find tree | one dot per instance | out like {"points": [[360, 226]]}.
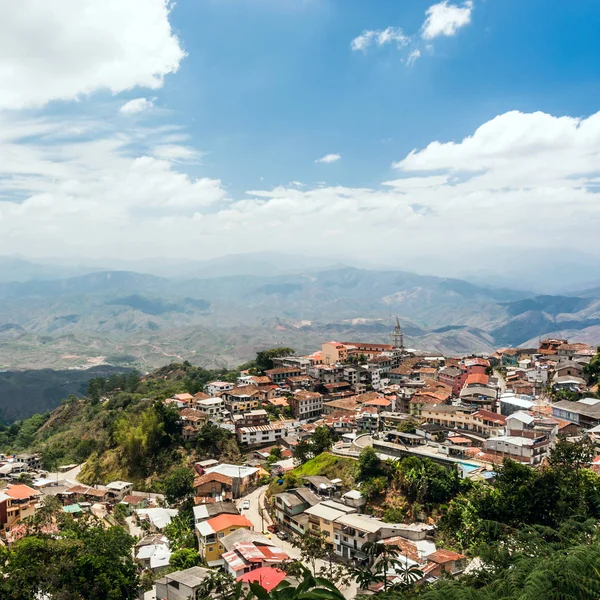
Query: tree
{"points": [[184, 558], [84, 562], [321, 440], [303, 451], [592, 369], [312, 546], [264, 358], [179, 486], [180, 532], [369, 464]]}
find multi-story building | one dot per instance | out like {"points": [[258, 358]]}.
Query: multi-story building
{"points": [[584, 412], [461, 417], [213, 407], [117, 490], [216, 388], [252, 418], [454, 377], [334, 353], [210, 532], [280, 374], [321, 517], [306, 405], [478, 391], [17, 502], [263, 434], [352, 531], [241, 399], [290, 506], [225, 481]]}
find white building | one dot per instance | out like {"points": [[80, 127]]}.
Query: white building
{"points": [[213, 407], [117, 490], [214, 388], [262, 434]]}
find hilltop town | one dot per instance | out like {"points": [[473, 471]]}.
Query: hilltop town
{"points": [[349, 461]]}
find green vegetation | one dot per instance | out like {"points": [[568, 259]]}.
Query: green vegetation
{"points": [[320, 441], [324, 464], [83, 560], [547, 497]]}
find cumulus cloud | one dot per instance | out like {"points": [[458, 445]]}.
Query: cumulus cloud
{"points": [[63, 50], [329, 158], [379, 37], [135, 106], [446, 19], [520, 182]]}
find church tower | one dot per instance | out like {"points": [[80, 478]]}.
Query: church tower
{"points": [[398, 337]]}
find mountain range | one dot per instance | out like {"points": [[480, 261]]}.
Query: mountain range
{"points": [[144, 320]]}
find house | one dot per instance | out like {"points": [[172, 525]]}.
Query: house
{"points": [[17, 502], [551, 346], [344, 406], [290, 506], [367, 419], [567, 368], [252, 418], [203, 512], [245, 556], [445, 562], [89, 494], [320, 485], [117, 490], [263, 434], [521, 449], [334, 353], [226, 481], [280, 374], [584, 412], [134, 503], [321, 517], [299, 382], [452, 376], [478, 391], [213, 407], [306, 405], [354, 498], [352, 531], [153, 552], [210, 533], [181, 585], [216, 388], [33, 461], [241, 400], [157, 518]]}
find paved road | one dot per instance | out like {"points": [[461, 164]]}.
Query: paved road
{"points": [[67, 476], [261, 519]]}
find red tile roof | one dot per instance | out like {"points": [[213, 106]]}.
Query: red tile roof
{"points": [[226, 520], [267, 577], [21, 491], [444, 556], [488, 415], [477, 378]]}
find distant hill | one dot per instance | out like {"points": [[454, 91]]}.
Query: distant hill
{"points": [[101, 317], [24, 393]]}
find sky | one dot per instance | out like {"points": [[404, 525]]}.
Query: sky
{"points": [[454, 138]]}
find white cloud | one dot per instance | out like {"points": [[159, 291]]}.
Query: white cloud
{"points": [[380, 38], [63, 50], [446, 19], [413, 57], [328, 158], [135, 106]]}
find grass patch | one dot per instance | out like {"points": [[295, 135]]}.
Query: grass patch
{"points": [[325, 464]]}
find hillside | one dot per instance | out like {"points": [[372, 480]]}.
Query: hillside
{"points": [[126, 435]]}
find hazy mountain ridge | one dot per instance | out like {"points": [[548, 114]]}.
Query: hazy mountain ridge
{"points": [[224, 320]]}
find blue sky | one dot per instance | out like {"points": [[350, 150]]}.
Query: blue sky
{"points": [[139, 128]]}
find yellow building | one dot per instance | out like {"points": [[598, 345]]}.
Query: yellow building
{"points": [[210, 532], [321, 517], [333, 353]]}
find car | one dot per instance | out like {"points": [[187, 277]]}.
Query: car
{"points": [[267, 534], [246, 505]]}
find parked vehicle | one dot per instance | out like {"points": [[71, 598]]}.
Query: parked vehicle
{"points": [[246, 505]]}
